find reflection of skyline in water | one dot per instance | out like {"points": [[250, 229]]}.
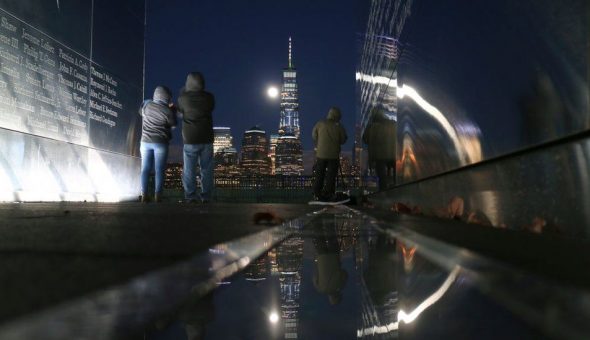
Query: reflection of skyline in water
{"points": [[289, 263], [360, 282]]}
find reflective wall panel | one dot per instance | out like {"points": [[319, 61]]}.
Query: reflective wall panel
{"points": [[70, 71], [469, 81], [491, 101], [542, 191]]}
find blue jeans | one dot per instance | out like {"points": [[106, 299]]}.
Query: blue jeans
{"points": [[149, 152], [202, 153]]}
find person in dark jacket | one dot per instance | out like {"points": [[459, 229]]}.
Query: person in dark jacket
{"points": [[196, 106], [328, 135], [381, 136], [159, 117]]}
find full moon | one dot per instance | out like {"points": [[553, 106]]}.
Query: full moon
{"points": [[273, 317], [272, 92]]}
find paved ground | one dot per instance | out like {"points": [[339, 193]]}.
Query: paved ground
{"points": [[55, 251]]}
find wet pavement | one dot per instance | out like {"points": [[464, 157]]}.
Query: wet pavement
{"points": [[334, 273]]}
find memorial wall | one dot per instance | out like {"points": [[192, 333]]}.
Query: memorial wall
{"points": [[492, 104], [71, 80]]}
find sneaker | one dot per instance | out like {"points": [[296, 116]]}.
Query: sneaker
{"points": [[205, 201], [143, 198], [158, 198], [188, 201]]}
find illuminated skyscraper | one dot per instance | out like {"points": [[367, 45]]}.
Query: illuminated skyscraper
{"points": [[255, 160], [222, 138], [288, 152], [272, 151], [289, 122], [289, 156], [226, 162]]}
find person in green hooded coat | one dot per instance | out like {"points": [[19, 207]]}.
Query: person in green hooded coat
{"points": [[328, 135]]}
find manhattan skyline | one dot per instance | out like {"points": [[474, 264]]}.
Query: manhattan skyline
{"points": [[254, 52]]}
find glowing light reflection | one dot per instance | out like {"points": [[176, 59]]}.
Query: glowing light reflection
{"points": [[6, 188], [468, 153], [106, 186], [410, 317]]}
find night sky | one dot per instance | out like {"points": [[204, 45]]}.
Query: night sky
{"points": [[241, 48]]}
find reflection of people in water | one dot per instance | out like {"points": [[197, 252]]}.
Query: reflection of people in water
{"points": [[329, 277], [196, 316], [380, 273], [193, 316]]}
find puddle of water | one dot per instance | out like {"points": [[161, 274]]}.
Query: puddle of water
{"points": [[340, 278]]}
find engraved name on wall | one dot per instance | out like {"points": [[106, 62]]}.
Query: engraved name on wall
{"points": [[50, 90]]}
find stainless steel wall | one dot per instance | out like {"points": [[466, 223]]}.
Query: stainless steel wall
{"points": [[71, 80], [499, 82]]}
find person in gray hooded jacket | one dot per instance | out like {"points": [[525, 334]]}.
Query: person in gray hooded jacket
{"points": [[159, 117], [196, 106]]}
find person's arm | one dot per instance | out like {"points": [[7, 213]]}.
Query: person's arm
{"points": [[143, 105], [314, 135]]}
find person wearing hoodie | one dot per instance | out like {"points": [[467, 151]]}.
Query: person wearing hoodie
{"points": [[328, 135], [159, 117], [196, 106], [329, 277], [380, 136]]}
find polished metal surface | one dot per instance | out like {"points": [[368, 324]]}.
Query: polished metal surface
{"points": [[472, 81], [541, 191]]}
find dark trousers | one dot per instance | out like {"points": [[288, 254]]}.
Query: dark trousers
{"points": [[325, 177], [385, 170]]}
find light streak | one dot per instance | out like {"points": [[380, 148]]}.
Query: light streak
{"points": [[463, 146], [410, 317]]}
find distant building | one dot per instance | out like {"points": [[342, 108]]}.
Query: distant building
{"points": [[345, 165], [289, 156], [222, 138], [254, 155], [173, 176], [289, 153], [224, 153], [274, 139], [226, 162], [289, 119], [357, 151]]}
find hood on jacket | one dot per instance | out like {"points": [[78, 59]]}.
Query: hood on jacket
{"points": [[194, 82], [162, 94], [334, 114]]}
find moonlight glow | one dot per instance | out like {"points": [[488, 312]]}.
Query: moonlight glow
{"points": [[272, 92], [273, 317]]}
